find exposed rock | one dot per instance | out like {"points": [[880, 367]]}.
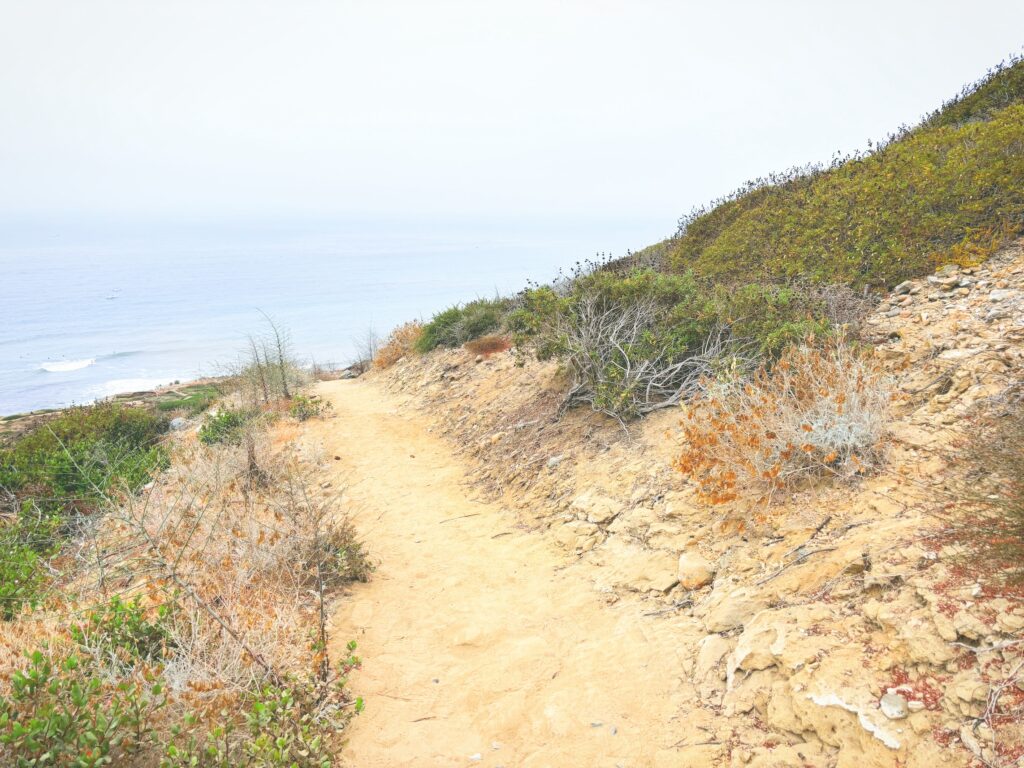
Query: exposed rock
{"points": [[727, 611], [694, 571], [177, 424], [894, 706], [632, 567], [903, 288], [967, 693], [578, 535], [710, 652], [596, 508], [864, 718], [1002, 294]]}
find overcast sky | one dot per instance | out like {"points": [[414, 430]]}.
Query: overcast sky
{"points": [[296, 108]]}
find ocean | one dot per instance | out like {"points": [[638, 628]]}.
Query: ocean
{"points": [[86, 313]]}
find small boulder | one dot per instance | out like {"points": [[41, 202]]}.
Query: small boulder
{"points": [[1001, 294], [694, 571], [596, 508], [178, 424], [894, 706], [903, 288]]}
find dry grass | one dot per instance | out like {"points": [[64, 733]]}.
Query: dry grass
{"points": [[820, 411], [401, 343], [250, 546], [985, 507], [489, 345], [246, 561]]}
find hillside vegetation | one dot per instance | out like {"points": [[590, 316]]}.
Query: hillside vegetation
{"points": [[782, 260], [947, 191], [164, 582]]}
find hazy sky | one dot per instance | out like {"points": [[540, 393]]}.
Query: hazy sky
{"points": [[281, 108]]}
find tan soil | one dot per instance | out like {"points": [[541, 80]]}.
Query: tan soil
{"points": [[476, 637]]}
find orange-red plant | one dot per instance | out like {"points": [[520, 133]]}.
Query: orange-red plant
{"points": [[488, 345], [399, 344], [819, 411]]}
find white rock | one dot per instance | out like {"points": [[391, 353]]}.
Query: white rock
{"points": [[894, 706], [1001, 294]]}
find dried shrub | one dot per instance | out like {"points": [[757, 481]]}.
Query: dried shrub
{"points": [[819, 411], [252, 562], [620, 366], [489, 345], [985, 511], [401, 343]]}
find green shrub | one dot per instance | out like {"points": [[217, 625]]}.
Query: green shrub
{"points": [[197, 400], [122, 627], [62, 468], [946, 192], [71, 461], [22, 576], [304, 407], [61, 715], [456, 325], [283, 728], [225, 427], [634, 342], [1001, 87]]}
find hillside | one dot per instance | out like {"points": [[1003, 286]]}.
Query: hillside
{"points": [[842, 625], [946, 191]]}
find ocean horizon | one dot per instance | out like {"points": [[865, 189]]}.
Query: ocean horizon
{"points": [[94, 312]]}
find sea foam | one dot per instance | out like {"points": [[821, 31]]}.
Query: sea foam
{"points": [[60, 366]]}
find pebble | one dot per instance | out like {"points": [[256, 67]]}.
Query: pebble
{"points": [[894, 706], [1001, 294]]}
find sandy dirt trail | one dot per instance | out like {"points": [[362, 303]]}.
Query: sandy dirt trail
{"points": [[482, 645]]}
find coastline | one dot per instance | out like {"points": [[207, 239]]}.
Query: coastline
{"points": [[163, 397]]}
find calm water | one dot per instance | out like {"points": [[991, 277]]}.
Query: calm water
{"points": [[87, 316]]}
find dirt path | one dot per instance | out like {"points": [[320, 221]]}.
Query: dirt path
{"points": [[480, 647]]}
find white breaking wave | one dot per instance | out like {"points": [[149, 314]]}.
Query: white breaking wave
{"points": [[66, 365]]}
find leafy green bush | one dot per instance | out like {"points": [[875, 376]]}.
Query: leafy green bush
{"points": [[283, 728], [61, 715], [456, 325], [71, 461], [122, 627], [22, 577], [638, 341], [947, 191], [62, 468], [304, 407], [196, 400], [226, 426]]}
